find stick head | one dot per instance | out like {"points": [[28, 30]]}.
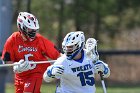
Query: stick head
{"points": [[90, 44], [91, 49]]}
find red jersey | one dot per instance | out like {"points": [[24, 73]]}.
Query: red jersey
{"points": [[36, 50]]}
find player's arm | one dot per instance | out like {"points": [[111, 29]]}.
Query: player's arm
{"points": [[6, 58], [50, 50], [23, 65], [8, 52]]}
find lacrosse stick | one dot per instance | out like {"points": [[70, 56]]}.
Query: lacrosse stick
{"points": [[38, 62], [91, 47]]}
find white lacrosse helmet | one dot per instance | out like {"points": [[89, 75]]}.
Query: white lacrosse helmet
{"points": [[27, 24], [73, 43]]}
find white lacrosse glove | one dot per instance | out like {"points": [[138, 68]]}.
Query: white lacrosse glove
{"points": [[53, 71], [91, 50], [23, 66], [100, 66]]}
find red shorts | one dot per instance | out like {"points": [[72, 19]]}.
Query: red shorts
{"points": [[32, 85]]}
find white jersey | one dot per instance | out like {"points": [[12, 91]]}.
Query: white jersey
{"points": [[78, 77]]}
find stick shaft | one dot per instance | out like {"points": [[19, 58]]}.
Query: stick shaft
{"points": [[104, 87], [38, 62], [102, 81], [101, 74], [93, 42], [43, 62]]}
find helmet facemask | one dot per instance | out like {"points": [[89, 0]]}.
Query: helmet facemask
{"points": [[30, 33]]}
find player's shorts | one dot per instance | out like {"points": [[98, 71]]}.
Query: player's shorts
{"points": [[32, 85]]}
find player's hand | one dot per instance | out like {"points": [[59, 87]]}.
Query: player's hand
{"points": [[52, 72], [55, 71], [100, 66], [23, 66]]}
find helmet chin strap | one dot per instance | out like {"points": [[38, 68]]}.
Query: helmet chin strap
{"points": [[26, 38], [71, 57]]}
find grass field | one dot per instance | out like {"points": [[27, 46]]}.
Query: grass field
{"points": [[50, 88]]}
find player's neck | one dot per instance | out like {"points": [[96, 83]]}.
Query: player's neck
{"points": [[78, 56], [23, 37]]}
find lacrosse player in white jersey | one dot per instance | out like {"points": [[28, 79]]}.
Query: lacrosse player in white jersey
{"points": [[75, 68]]}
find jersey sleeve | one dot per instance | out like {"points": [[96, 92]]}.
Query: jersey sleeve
{"points": [[50, 49], [8, 53], [61, 61]]}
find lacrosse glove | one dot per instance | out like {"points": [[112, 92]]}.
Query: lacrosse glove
{"points": [[53, 71], [22, 66], [100, 66]]}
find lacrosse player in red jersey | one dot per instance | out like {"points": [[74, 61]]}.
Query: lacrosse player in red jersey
{"points": [[75, 68], [25, 46]]}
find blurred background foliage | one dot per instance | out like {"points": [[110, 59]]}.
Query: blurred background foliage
{"points": [[109, 21]]}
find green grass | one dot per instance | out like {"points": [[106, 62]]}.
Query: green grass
{"points": [[50, 88]]}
